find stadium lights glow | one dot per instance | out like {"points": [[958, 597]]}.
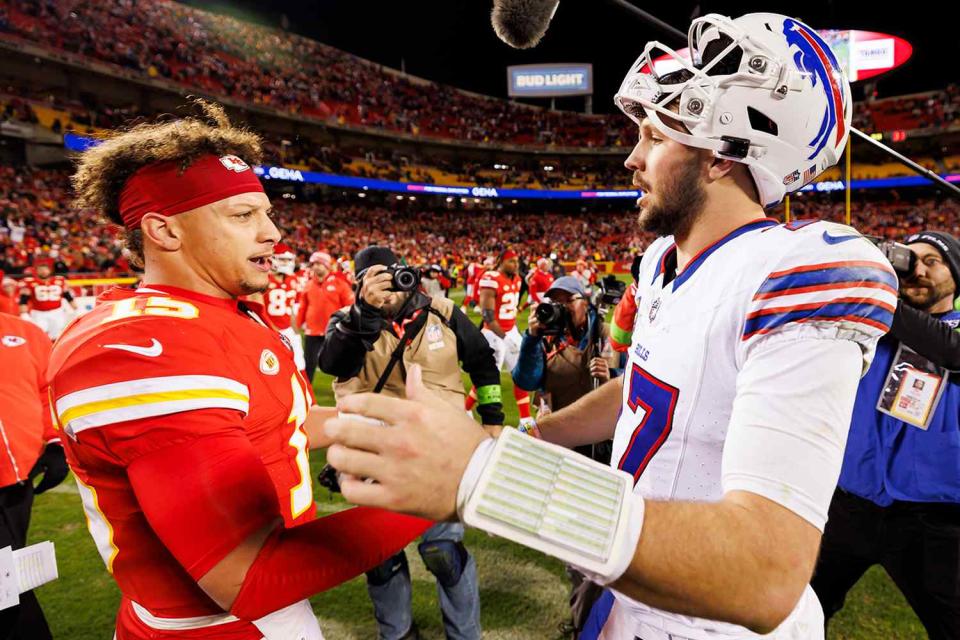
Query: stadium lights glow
{"points": [[476, 199], [501, 167], [548, 167], [449, 199], [413, 197], [464, 200], [399, 197], [361, 195]]}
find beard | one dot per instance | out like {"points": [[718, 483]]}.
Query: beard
{"points": [[928, 296], [679, 201], [249, 288]]}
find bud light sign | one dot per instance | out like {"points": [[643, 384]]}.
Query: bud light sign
{"points": [[549, 80]]}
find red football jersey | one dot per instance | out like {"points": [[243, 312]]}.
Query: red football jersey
{"points": [[474, 273], [46, 294], [539, 282], [507, 297], [150, 369], [279, 297], [303, 278]]}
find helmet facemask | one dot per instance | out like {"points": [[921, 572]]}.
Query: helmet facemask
{"points": [[737, 97]]}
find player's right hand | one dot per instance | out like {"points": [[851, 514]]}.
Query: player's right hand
{"points": [[533, 325], [416, 463], [376, 286]]}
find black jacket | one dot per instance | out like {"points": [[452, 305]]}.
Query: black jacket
{"points": [[926, 334], [351, 334]]}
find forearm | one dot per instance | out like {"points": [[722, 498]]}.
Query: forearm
{"points": [[301, 314], [296, 563], [531, 364], [344, 350], [479, 363], [716, 561], [927, 335], [591, 419], [490, 321]]}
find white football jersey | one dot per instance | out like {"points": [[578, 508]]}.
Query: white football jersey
{"points": [[763, 282]]}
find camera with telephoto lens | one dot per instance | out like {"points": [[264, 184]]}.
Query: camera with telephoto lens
{"points": [[404, 278], [553, 318], [903, 260]]}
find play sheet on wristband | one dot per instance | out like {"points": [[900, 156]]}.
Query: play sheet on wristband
{"points": [[554, 496]]}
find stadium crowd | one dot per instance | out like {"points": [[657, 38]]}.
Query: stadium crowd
{"points": [[273, 68], [276, 69], [37, 220]]}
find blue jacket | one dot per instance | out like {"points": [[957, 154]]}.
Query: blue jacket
{"points": [[887, 459], [531, 367]]}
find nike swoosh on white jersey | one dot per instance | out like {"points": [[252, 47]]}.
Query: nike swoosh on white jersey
{"points": [[154, 350], [829, 239]]}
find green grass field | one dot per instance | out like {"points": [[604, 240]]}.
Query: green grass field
{"points": [[523, 593]]}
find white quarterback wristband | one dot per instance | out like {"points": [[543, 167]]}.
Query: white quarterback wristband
{"points": [[554, 500]]}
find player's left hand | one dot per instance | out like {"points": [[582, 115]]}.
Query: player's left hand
{"points": [[599, 369], [53, 465], [416, 462]]}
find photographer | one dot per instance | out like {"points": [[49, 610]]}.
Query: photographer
{"points": [[564, 353], [563, 357], [898, 498], [370, 346]]}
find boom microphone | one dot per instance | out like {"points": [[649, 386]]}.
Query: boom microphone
{"points": [[522, 23]]}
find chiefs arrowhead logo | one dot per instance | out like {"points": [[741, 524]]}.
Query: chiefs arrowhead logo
{"points": [[269, 363], [233, 163]]}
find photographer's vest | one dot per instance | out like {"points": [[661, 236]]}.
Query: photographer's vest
{"points": [[434, 348], [567, 377]]}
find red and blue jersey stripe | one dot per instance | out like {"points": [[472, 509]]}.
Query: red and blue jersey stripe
{"points": [[858, 291]]}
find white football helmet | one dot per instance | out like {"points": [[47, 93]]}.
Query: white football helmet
{"points": [[284, 260], [764, 90]]}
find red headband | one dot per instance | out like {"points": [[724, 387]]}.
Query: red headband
{"points": [[163, 188]]}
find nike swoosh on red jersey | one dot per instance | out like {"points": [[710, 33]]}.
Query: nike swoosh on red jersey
{"points": [[154, 350]]}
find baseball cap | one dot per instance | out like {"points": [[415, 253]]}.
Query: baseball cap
{"points": [[322, 257], [568, 284]]}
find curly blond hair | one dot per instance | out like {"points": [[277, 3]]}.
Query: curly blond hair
{"points": [[103, 170]]}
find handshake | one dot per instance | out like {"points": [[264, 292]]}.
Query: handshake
{"points": [[329, 477]]}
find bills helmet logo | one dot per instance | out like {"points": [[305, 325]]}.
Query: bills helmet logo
{"points": [[814, 57], [233, 163]]}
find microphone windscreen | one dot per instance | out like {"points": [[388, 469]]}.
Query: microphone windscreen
{"points": [[522, 23]]}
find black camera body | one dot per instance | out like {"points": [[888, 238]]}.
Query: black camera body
{"points": [[553, 318], [611, 291], [404, 278], [903, 260]]}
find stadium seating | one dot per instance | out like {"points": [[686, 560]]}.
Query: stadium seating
{"points": [[279, 70]]}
